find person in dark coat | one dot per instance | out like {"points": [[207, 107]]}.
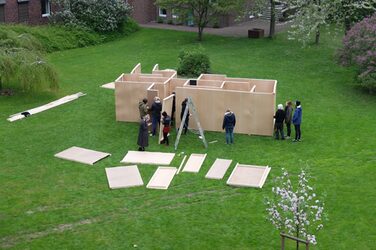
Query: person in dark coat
{"points": [[297, 121], [166, 121], [155, 109], [288, 118], [183, 106], [279, 118], [229, 121], [173, 109], [143, 139]]}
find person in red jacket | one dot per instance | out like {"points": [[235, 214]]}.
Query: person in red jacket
{"points": [[166, 121]]}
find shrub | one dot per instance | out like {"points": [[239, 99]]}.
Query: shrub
{"points": [[193, 62], [55, 38], [359, 49], [21, 64], [96, 15]]}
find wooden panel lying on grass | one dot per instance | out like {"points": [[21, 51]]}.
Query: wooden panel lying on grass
{"points": [[45, 107], [248, 176], [162, 178], [82, 155], [110, 85], [144, 157], [124, 177], [218, 169], [194, 163]]}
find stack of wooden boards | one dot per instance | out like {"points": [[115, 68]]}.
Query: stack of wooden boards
{"points": [[129, 176]]}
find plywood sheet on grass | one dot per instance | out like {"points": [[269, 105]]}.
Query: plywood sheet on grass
{"points": [[110, 85], [218, 169], [124, 177], [82, 155], [194, 163], [248, 176], [144, 157], [162, 178]]}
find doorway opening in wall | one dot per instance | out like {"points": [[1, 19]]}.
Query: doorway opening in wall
{"points": [[23, 12], [2, 14], [46, 8]]}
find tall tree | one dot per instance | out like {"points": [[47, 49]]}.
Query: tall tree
{"points": [[203, 11]]}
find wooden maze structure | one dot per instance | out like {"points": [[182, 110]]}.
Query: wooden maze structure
{"points": [[252, 100]]}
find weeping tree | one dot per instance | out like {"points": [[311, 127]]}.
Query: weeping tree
{"points": [[203, 11], [295, 210], [22, 65]]}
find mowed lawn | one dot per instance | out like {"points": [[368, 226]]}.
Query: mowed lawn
{"points": [[48, 203]]}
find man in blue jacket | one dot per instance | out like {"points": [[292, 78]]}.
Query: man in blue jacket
{"points": [[297, 121], [229, 121]]}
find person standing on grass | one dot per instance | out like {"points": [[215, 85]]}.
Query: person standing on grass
{"points": [[183, 106], [166, 121], [143, 107], [143, 139], [173, 108], [156, 109], [297, 121], [228, 125], [288, 118], [279, 118]]}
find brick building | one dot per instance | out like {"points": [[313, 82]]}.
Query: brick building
{"points": [[25, 11]]}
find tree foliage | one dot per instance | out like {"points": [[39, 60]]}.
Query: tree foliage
{"points": [[295, 209], [203, 11], [22, 65], [95, 15], [193, 62], [312, 15]]}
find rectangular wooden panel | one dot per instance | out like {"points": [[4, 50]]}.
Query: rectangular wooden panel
{"points": [[124, 177], [162, 178], [218, 169], [82, 155], [144, 157], [194, 163]]}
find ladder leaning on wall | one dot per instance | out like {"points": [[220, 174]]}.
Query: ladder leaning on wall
{"points": [[192, 107]]}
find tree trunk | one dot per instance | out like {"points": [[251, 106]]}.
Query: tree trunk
{"points": [[347, 24], [317, 40], [272, 19], [200, 31]]}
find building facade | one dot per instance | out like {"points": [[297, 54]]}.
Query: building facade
{"points": [[25, 11]]}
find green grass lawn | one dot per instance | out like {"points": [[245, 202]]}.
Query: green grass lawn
{"points": [[48, 203]]}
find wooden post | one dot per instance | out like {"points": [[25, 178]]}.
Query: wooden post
{"points": [[283, 235]]}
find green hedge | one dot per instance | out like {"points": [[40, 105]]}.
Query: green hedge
{"points": [[55, 38]]}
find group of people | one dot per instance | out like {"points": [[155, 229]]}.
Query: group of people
{"points": [[287, 115], [156, 117], [283, 115]]}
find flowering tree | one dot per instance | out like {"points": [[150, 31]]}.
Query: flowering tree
{"points": [[349, 12], [312, 15], [96, 15], [309, 17], [295, 209], [359, 48]]}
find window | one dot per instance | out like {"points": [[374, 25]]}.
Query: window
{"points": [[162, 12], [46, 8], [2, 14], [23, 12]]}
